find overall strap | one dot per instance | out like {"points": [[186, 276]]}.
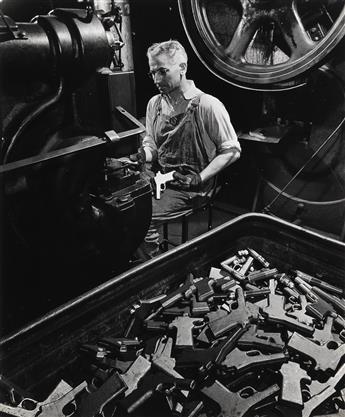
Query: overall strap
{"points": [[194, 103], [157, 109], [193, 106]]}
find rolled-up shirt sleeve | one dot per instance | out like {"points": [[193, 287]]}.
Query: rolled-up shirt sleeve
{"points": [[148, 141], [217, 124]]}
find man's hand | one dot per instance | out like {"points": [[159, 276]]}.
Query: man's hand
{"points": [[139, 157], [189, 182]]}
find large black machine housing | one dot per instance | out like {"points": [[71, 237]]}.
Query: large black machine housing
{"points": [[73, 212], [289, 55]]}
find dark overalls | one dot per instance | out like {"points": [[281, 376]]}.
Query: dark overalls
{"points": [[181, 148]]}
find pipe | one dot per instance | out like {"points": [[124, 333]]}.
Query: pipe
{"points": [[32, 117], [127, 50]]}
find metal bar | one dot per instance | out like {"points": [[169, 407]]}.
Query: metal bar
{"points": [[131, 132], [91, 142], [51, 156], [131, 118]]}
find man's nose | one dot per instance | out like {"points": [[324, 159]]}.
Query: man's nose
{"points": [[156, 76]]}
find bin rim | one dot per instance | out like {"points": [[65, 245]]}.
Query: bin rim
{"points": [[149, 265]]}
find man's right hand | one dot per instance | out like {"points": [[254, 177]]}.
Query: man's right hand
{"points": [[139, 157], [189, 182]]}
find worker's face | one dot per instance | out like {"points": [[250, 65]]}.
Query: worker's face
{"points": [[166, 74]]}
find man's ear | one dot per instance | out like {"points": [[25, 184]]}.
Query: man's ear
{"points": [[183, 66]]}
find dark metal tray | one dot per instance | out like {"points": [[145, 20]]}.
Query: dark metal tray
{"points": [[35, 356]]}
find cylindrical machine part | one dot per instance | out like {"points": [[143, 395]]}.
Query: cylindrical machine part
{"points": [[29, 55], [64, 39], [104, 5], [127, 50]]}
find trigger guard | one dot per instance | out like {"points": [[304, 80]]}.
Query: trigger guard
{"points": [[28, 404], [249, 389]]}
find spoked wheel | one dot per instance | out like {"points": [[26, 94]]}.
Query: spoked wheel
{"points": [[263, 44]]}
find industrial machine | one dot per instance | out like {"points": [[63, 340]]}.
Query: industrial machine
{"points": [[73, 212], [288, 58]]}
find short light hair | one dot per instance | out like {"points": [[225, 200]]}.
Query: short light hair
{"points": [[171, 48]]}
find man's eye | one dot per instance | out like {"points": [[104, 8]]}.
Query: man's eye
{"points": [[160, 71], [163, 71]]}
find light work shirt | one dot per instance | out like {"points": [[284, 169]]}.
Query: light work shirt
{"points": [[216, 129]]}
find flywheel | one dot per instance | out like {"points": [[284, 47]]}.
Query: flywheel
{"points": [[263, 44]]}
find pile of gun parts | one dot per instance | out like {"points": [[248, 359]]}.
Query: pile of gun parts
{"points": [[246, 340]]}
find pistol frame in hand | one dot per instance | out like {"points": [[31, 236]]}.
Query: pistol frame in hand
{"points": [[160, 182]]}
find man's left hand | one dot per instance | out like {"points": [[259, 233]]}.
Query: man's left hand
{"points": [[189, 182]]}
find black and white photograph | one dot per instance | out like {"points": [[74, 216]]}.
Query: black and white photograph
{"points": [[172, 208]]}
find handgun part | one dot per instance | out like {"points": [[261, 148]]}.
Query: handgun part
{"points": [[324, 335], [93, 402], [275, 313], [52, 406], [253, 339], [325, 359], [299, 312], [319, 283], [184, 326], [238, 403], [160, 182], [135, 373], [241, 361], [259, 258], [328, 390], [293, 375]]}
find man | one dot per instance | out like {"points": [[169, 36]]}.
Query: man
{"points": [[187, 131]]}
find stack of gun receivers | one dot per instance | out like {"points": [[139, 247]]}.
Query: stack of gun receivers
{"points": [[246, 340]]}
